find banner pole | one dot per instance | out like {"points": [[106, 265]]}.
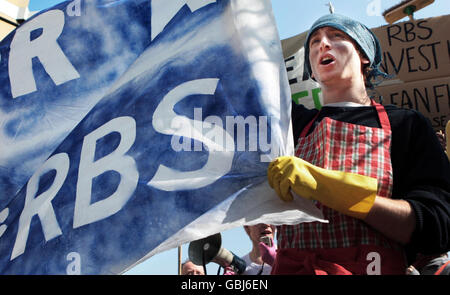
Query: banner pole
{"points": [[179, 260]]}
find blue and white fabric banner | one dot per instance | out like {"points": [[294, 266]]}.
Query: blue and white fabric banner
{"points": [[128, 127]]}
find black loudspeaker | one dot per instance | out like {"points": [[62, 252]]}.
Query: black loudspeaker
{"points": [[206, 250]]}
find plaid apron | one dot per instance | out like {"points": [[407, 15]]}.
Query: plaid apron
{"points": [[346, 147]]}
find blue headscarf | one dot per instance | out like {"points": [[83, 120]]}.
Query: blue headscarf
{"points": [[366, 40]]}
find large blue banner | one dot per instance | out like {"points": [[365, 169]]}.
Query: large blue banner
{"points": [[121, 122]]}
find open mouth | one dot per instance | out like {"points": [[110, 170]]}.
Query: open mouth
{"points": [[266, 232], [326, 60]]}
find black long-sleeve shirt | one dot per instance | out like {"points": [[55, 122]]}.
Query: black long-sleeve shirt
{"points": [[421, 170]]}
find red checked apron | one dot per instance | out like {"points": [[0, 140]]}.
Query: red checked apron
{"points": [[343, 245]]}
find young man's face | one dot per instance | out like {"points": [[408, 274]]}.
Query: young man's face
{"points": [[333, 56], [255, 232]]}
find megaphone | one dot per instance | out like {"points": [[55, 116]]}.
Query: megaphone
{"points": [[209, 249]]}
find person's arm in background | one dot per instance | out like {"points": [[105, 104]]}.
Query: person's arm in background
{"points": [[268, 252]]}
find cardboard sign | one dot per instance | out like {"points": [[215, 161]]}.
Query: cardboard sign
{"points": [[303, 89], [416, 50], [429, 97], [416, 54]]}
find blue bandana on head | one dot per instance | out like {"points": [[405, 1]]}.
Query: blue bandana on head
{"points": [[363, 36]]}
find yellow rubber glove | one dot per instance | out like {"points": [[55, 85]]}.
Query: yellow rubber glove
{"points": [[349, 193]]}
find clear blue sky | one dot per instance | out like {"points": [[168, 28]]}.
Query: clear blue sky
{"points": [[292, 17], [296, 16]]}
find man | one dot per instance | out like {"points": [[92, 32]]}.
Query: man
{"points": [[260, 259], [377, 173], [189, 268]]}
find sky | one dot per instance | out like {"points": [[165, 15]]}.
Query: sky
{"points": [[292, 17]]}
